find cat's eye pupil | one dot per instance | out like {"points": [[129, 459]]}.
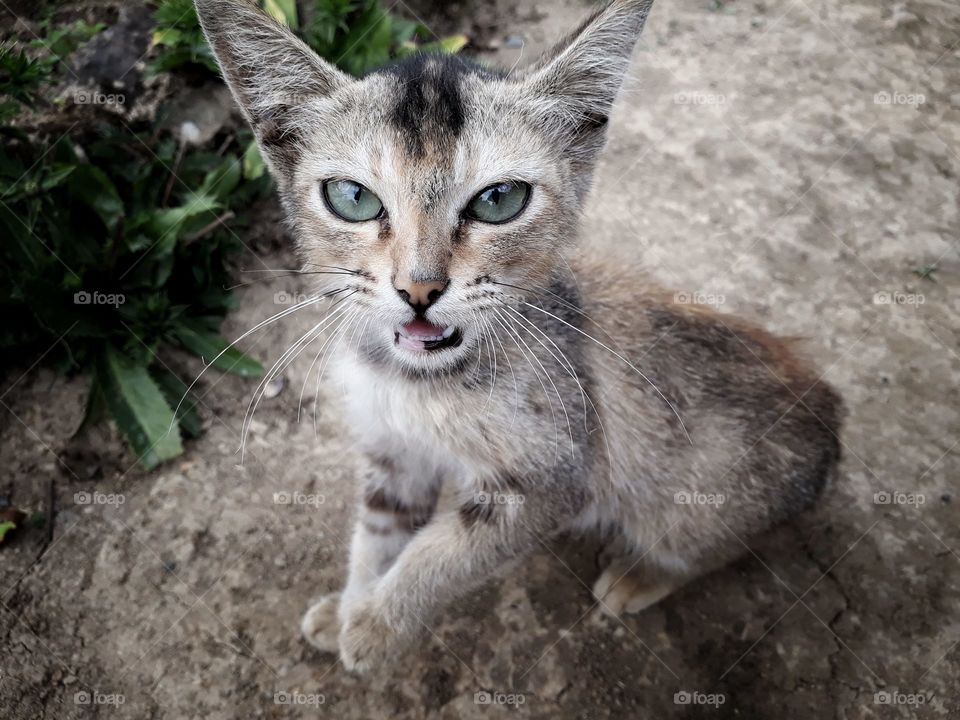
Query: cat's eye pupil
{"points": [[351, 201], [499, 203]]}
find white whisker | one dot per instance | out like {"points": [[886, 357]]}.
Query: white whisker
{"points": [[622, 358], [291, 354], [505, 323], [309, 301]]}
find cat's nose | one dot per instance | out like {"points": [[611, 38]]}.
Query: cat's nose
{"points": [[420, 295]]}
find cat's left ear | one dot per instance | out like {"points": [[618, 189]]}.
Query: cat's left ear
{"points": [[572, 87], [272, 74]]}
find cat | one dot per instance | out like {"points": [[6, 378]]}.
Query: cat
{"points": [[553, 388]]}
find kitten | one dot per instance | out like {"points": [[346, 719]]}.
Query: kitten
{"points": [[551, 398]]}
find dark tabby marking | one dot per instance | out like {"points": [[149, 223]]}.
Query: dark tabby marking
{"points": [[431, 103]]}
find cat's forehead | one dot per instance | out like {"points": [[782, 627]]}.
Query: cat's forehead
{"points": [[430, 99], [427, 128]]}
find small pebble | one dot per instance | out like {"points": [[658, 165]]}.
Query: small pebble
{"points": [[189, 133], [274, 387]]}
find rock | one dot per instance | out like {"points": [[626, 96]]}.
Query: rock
{"points": [[274, 387], [196, 115], [109, 61]]}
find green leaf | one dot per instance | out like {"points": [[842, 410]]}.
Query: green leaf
{"points": [[57, 176], [91, 186], [21, 240], [166, 36], [253, 164], [169, 221], [138, 408], [160, 229], [9, 109], [451, 45], [197, 339], [177, 394], [64, 40], [220, 182], [284, 11], [403, 30], [6, 527]]}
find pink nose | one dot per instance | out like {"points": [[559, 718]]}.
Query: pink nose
{"points": [[420, 295]]}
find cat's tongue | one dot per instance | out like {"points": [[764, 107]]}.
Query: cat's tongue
{"points": [[417, 334]]}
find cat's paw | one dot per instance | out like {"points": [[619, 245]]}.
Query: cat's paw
{"points": [[367, 640], [321, 626], [620, 590]]}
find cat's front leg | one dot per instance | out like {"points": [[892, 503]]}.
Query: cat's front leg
{"points": [[455, 553], [396, 504]]}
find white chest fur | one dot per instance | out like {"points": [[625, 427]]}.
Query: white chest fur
{"points": [[417, 421]]}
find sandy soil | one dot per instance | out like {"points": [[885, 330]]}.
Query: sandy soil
{"points": [[752, 162]]}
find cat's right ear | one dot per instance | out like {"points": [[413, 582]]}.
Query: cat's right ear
{"points": [[572, 87], [272, 74]]}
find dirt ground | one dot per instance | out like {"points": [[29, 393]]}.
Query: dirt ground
{"points": [[796, 162]]}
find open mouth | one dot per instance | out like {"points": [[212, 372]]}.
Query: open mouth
{"points": [[422, 336]]}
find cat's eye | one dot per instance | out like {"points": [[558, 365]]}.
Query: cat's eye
{"points": [[499, 203], [352, 201]]}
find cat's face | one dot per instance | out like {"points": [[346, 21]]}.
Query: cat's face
{"points": [[432, 182], [444, 190]]}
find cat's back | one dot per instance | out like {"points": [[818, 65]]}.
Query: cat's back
{"points": [[697, 384]]}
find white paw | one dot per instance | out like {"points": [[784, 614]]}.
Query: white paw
{"points": [[320, 625], [366, 640], [621, 593]]}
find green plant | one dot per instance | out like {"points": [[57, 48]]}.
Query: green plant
{"points": [[103, 269], [115, 248], [179, 38], [359, 35], [356, 35]]}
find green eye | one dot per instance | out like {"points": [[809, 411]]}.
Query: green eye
{"points": [[352, 201], [499, 203]]}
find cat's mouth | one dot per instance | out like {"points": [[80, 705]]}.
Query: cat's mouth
{"points": [[421, 336]]}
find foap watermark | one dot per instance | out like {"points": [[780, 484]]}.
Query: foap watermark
{"points": [[289, 98], [894, 697], [292, 697], [492, 697], [498, 498], [699, 298], [513, 299], [93, 697], [84, 297], [99, 498], [696, 97], [898, 298], [699, 498], [913, 100], [289, 298], [85, 97], [895, 497], [298, 498], [695, 697]]}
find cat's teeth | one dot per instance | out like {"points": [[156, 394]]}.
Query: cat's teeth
{"points": [[448, 332]]}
